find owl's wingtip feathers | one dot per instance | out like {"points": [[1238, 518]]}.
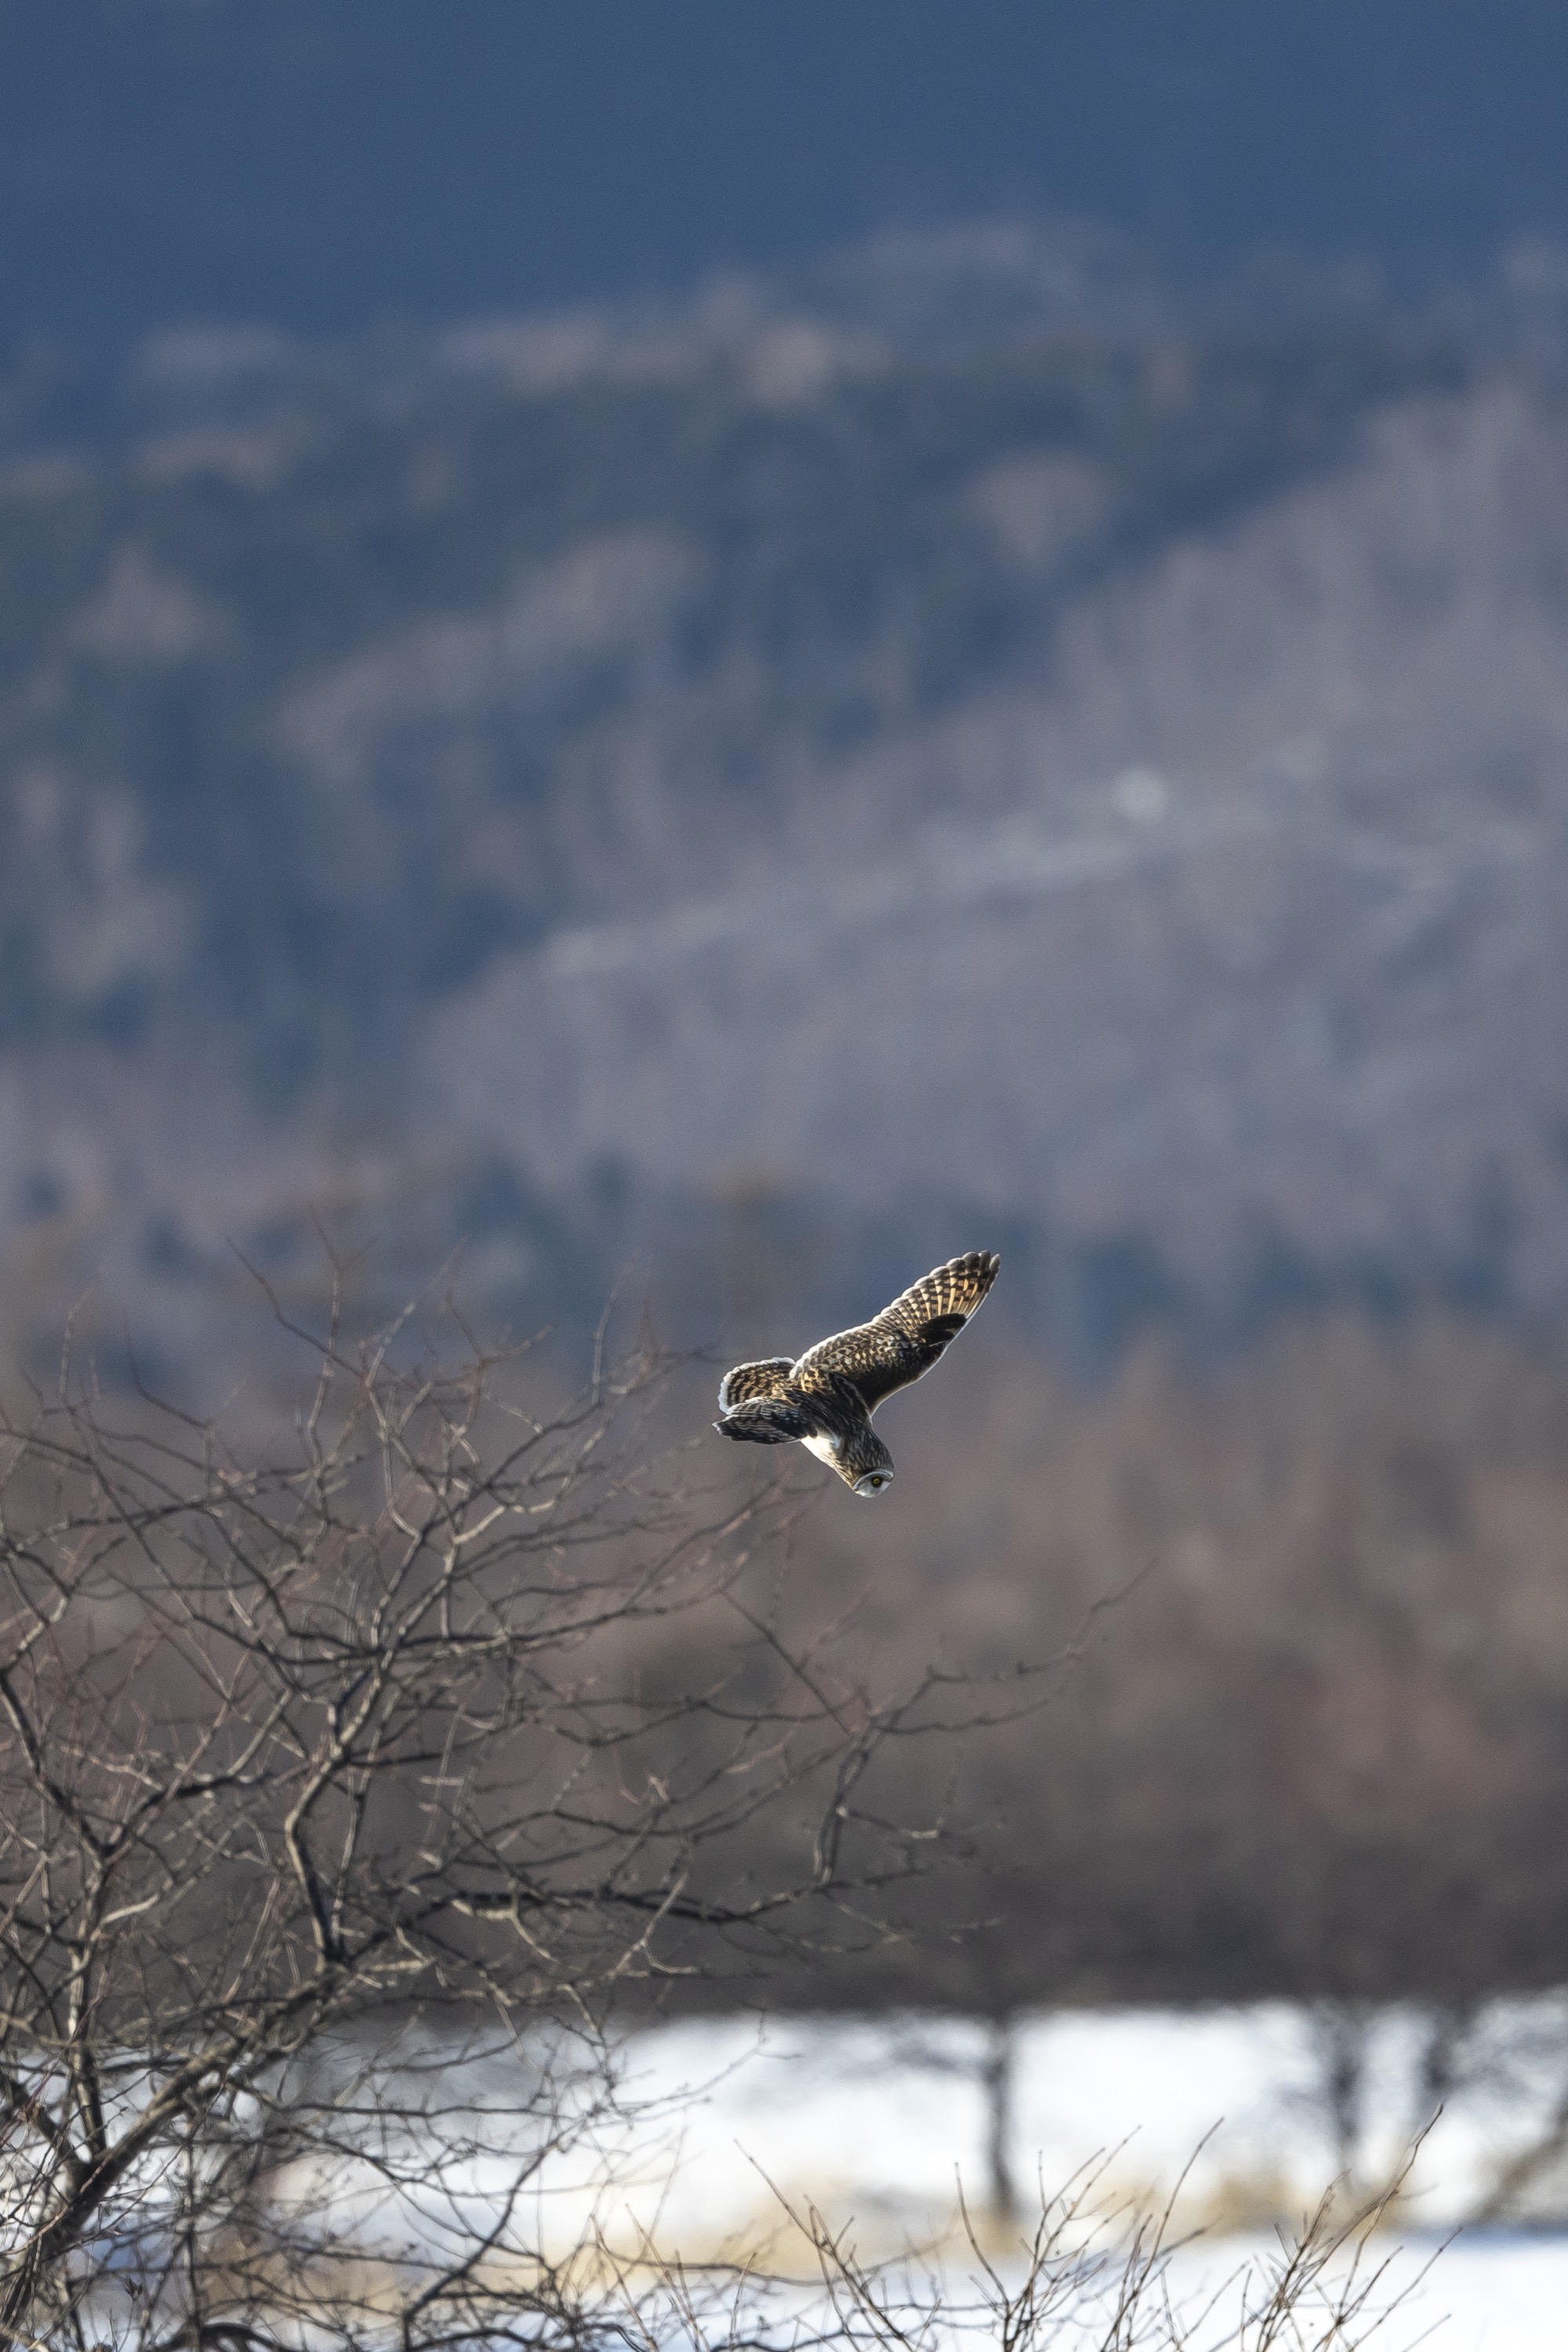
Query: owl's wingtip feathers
{"points": [[978, 1266]]}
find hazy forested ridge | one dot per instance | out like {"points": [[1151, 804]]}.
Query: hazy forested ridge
{"points": [[627, 760]]}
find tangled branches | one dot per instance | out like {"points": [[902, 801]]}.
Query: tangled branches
{"points": [[436, 1736], [345, 1797]]}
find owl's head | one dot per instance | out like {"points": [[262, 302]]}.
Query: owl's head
{"points": [[864, 1462]]}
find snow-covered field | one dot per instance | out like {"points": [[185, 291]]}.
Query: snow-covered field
{"points": [[1227, 2111], [1503, 2292], [890, 2114], [1234, 2124]]}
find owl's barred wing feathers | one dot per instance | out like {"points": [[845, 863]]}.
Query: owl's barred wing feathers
{"points": [[908, 1335], [954, 1289], [764, 1380], [768, 1421]]}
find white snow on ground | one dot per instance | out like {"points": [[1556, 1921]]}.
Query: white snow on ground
{"points": [[1494, 2294], [890, 2113], [880, 2119], [721, 2123]]}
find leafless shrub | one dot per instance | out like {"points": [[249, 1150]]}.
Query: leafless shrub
{"points": [[338, 1811], [1077, 2278], [344, 1801]]}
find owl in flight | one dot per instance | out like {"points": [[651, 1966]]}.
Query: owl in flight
{"points": [[827, 1397]]}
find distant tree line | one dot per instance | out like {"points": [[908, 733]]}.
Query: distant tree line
{"points": [[1318, 1747]]}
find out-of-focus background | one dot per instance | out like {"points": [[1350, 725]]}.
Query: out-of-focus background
{"points": [[726, 649]]}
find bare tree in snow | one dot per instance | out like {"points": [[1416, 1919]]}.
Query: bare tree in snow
{"points": [[343, 1801]]}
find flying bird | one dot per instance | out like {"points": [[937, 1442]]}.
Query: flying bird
{"points": [[826, 1399]]}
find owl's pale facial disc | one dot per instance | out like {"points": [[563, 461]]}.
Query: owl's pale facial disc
{"points": [[875, 1482]]}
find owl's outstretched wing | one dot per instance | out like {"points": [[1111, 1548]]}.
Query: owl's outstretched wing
{"points": [[908, 1335], [755, 1381]]}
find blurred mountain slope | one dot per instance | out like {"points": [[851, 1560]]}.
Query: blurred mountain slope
{"points": [[329, 638], [1107, 780]]}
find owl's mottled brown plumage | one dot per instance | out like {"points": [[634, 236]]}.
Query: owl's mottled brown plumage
{"points": [[824, 1400]]}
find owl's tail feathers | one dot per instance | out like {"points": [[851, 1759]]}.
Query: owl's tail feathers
{"points": [[767, 1421]]}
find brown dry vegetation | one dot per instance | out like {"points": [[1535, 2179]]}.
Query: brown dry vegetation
{"points": [[297, 1750], [333, 1786], [1307, 1729], [1320, 1747]]}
